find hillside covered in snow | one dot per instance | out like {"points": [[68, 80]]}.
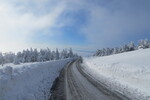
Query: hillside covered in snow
{"points": [[29, 81], [127, 73]]}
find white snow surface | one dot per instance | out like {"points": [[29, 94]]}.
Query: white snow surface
{"points": [[30, 81], [127, 73]]}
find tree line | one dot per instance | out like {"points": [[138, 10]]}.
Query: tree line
{"points": [[142, 44], [33, 55]]}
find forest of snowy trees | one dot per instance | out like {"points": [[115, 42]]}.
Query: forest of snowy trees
{"points": [[125, 48], [33, 55]]}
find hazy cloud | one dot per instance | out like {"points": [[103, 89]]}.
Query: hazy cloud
{"points": [[18, 22], [117, 19]]}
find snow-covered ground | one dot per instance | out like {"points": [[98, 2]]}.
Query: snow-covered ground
{"points": [[128, 73], [30, 81]]}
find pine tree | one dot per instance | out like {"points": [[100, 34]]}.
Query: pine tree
{"points": [[141, 44], [146, 43], [131, 46], [1, 58], [16, 61], [57, 54], [70, 53]]}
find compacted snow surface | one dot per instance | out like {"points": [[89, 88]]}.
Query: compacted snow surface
{"points": [[31, 81], [127, 73]]}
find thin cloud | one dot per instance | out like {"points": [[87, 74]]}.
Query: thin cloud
{"points": [[116, 20], [19, 24]]}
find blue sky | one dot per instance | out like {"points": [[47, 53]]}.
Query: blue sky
{"points": [[84, 25]]}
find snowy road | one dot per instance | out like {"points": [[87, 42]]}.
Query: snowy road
{"points": [[77, 85]]}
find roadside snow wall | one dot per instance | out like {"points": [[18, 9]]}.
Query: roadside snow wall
{"points": [[29, 81]]}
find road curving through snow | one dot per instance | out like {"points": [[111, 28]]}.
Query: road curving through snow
{"points": [[80, 86]]}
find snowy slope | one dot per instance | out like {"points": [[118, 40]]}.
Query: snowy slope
{"points": [[30, 81], [128, 73]]}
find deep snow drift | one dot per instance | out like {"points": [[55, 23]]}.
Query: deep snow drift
{"points": [[31, 81], [128, 73]]}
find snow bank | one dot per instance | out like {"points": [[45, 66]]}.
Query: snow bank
{"points": [[29, 81], [128, 73]]}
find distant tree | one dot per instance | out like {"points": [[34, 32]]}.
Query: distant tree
{"points": [[125, 48], [98, 53], [1, 58], [62, 54], [131, 46], [70, 54], [141, 44], [57, 54], [66, 53], [24, 54], [108, 51], [48, 54], [53, 55], [8, 57], [39, 59], [16, 61], [19, 56], [104, 52], [35, 55], [115, 50], [146, 43]]}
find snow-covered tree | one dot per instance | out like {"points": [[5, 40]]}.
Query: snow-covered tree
{"points": [[125, 48], [108, 51], [62, 54], [49, 54], [33, 55], [57, 54], [146, 43], [115, 50], [16, 61], [1, 59], [19, 57], [70, 54], [131, 46], [53, 55], [143, 44], [98, 53]]}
